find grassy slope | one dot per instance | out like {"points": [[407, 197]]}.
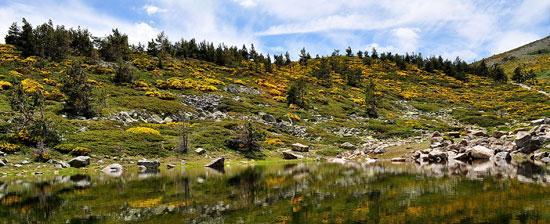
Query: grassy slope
{"points": [[535, 55], [477, 101]]}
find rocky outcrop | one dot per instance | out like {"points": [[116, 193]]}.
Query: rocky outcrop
{"points": [[149, 164], [298, 147], [217, 163], [529, 141], [289, 155], [233, 88], [200, 151], [347, 145], [79, 162]]}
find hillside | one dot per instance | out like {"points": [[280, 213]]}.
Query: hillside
{"points": [[144, 118], [533, 56]]}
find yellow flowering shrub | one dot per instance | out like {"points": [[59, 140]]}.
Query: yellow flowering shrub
{"points": [[147, 203], [280, 99], [5, 85], [9, 148], [14, 73], [273, 141], [31, 86], [294, 117], [30, 60], [143, 130], [141, 85], [50, 82], [161, 95], [55, 95], [176, 83]]}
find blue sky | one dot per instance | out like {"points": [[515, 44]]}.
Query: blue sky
{"points": [[466, 28]]}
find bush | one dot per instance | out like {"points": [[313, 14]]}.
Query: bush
{"points": [[123, 74], [9, 148], [143, 130], [4, 85], [78, 91], [297, 93]]}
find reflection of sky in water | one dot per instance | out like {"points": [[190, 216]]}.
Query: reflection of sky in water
{"points": [[294, 193]]}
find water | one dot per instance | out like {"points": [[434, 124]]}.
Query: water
{"points": [[289, 193]]}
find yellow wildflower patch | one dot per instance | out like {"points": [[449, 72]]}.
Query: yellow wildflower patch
{"points": [[5, 85], [31, 86], [143, 130]]}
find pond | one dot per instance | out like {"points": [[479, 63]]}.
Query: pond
{"points": [[311, 192]]}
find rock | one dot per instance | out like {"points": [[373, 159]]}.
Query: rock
{"points": [[80, 161], [269, 118], [288, 154], [217, 163], [149, 164], [502, 156], [337, 160], [3, 154], [525, 142], [3, 162], [464, 142], [398, 159], [540, 121], [498, 134], [463, 156], [60, 164], [453, 134], [436, 139], [545, 160], [200, 151], [113, 168], [540, 155], [481, 152], [297, 147], [347, 145], [436, 134], [437, 156], [479, 133], [379, 150], [170, 166]]}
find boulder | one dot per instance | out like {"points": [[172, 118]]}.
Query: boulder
{"points": [[200, 151], [437, 156], [540, 155], [479, 133], [453, 134], [114, 169], [269, 118], [347, 145], [288, 154], [498, 134], [465, 156], [217, 163], [481, 152], [502, 156], [436, 134], [398, 159], [170, 166], [2, 154], [525, 142], [297, 147], [80, 161], [379, 150], [3, 162], [540, 121], [60, 164], [545, 160], [149, 164]]}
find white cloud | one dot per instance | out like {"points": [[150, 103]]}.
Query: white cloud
{"points": [[406, 39], [247, 3], [151, 9]]}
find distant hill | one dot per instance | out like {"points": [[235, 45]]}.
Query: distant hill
{"points": [[535, 55]]}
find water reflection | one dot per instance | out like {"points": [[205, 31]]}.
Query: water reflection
{"points": [[456, 192]]}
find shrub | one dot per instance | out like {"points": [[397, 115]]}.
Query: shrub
{"points": [[161, 95], [296, 93], [31, 86], [78, 91], [9, 148], [123, 74], [143, 130], [4, 85]]}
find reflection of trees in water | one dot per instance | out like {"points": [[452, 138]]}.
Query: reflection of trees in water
{"points": [[250, 182]]}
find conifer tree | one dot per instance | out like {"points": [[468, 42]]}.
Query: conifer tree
{"points": [[370, 100]]}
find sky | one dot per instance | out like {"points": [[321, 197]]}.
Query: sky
{"points": [[466, 28]]}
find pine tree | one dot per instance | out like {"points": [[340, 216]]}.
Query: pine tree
{"points": [[349, 52], [268, 65], [374, 54], [78, 92], [304, 56], [26, 41], [296, 93], [322, 72], [518, 75], [114, 47], [287, 58], [14, 35], [498, 74], [370, 100]]}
